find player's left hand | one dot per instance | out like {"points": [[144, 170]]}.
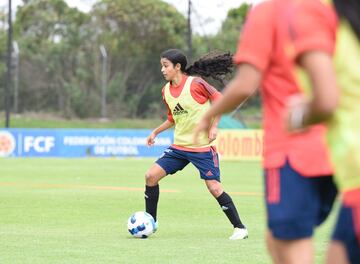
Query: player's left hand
{"points": [[213, 133]]}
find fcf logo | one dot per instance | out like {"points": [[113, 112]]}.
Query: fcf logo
{"points": [[40, 144], [7, 144]]}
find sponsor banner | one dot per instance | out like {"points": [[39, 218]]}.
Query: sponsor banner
{"points": [[240, 144], [73, 143], [81, 143]]}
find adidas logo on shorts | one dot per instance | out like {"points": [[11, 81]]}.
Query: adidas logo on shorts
{"points": [[209, 173]]}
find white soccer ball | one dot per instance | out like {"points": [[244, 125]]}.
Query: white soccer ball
{"points": [[141, 224]]}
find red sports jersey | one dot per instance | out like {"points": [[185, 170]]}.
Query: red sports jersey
{"points": [[264, 43], [313, 26]]}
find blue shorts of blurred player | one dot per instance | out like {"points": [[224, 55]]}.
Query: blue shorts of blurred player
{"points": [[296, 204]]}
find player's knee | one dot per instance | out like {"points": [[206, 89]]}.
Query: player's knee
{"points": [[151, 179], [215, 190]]}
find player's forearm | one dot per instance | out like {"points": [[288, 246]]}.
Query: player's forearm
{"points": [[164, 126], [325, 93]]}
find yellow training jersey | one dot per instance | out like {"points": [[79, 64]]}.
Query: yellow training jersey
{"points": [[186, 112], [344, 128]]}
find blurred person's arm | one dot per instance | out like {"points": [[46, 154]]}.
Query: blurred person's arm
{"points": [[313, 25], [246, 80], [319, 67], [213, 131]]}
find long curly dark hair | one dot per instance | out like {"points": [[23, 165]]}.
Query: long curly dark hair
{"points": [[349, 10], [215, 64]]}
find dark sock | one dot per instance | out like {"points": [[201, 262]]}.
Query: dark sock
{"points": [[229, 209], [151, 199]]}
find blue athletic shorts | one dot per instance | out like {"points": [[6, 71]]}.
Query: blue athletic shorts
{"points": [[345, 231], [173, 160], [296, 204]]}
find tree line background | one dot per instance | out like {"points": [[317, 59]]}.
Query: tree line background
{"points": [[60, 64]]}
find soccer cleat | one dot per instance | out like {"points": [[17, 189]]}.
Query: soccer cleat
{"points": [[239, 233]]}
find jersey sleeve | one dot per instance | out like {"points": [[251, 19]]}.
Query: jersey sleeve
{"points": [[312, 26], [255, 42], [169, 114], [202, 91]]}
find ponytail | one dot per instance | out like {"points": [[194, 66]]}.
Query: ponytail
{"points": [[215, 64]]}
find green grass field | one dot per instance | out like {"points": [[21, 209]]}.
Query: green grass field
{"points": [[51, 121], [74, 211]]}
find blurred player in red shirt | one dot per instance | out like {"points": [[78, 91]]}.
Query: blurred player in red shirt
{"points": [[299, 190]]}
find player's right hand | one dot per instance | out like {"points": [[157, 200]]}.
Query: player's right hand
{"points": [[202, 126], [150, 139], [297, 107]]}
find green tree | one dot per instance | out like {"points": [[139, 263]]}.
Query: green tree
{"points": [[135, 35], [3, 53], [60, 57], [50, 35], [227, 37], [226, 40]]}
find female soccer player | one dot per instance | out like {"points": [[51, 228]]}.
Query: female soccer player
{"points": [[334, 30], [299, 191], [187, 99]]}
